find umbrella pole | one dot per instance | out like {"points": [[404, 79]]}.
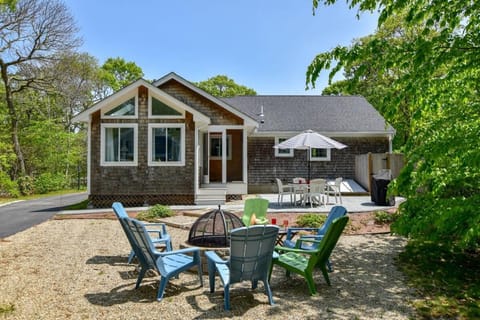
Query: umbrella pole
{"points": [[308, 159]]}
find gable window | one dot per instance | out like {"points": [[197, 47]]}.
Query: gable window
{"points": [[216, 147], [166, 144], [159, 109], [319, 154], [282, 152], [118, 144], [126, 109]]}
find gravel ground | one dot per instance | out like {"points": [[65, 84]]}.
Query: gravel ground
{"points": [[77, 269]]}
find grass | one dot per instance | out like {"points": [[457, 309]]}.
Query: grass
{"points": [[448, 282], [39, 196]]}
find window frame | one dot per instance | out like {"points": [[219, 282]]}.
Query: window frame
{"points": [[105, 163], [180, 163], [229, 146], [326, 158], [152, 116], [277, 150], [116, 103]]}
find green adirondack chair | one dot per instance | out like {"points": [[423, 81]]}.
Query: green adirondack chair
{"points": [[259, 206], [303, 262]]}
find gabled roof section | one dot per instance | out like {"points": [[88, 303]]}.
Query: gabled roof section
{"points": [[127, 91], [331, 115], [248, 119]]}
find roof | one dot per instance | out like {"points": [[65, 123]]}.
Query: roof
{"points": [[332, 115]]}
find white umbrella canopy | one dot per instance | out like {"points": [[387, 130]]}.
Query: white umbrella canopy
{"points": [[309, 139]]}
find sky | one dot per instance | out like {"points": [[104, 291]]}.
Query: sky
{"points": [[265, 45]]}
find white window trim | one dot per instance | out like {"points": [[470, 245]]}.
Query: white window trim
{"points": [[152, 163], [327, 158], [102, 145], [229, 147], [150, 115], [282, 155], [118, 101]]}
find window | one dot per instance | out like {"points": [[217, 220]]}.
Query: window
{"points": [[166, 144], [216, 146], [118, 144], [158, 109], [127, 108], [318, 154], [282, 152]]}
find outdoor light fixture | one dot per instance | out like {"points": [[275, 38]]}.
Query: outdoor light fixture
{"points": [[261, 115]]}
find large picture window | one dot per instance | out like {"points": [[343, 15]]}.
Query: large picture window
{"points": [[319, 154], [282, 152], [118, 144], [166, 144]]}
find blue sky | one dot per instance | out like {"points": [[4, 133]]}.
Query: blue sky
{"points": [[262, 44]]}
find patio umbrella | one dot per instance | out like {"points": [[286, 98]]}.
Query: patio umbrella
{"points": [[309, 139]]}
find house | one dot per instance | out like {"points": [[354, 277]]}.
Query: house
{"points": [[170, 142]]}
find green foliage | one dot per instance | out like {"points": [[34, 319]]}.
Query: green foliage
{"points": [[311, 220], [447, 280], [223, 86], [48, 182], [8, 188], [383, 217], [6, 309], [155, 212], [118, 73], [25, 185], [423, 61]]}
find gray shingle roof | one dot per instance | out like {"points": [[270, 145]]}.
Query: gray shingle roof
{"points": [[327, 114]]}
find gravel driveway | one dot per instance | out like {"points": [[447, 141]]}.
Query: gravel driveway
{"points": [[76, 269]]}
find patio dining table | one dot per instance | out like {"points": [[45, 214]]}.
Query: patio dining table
{"points": [[304, 192]]}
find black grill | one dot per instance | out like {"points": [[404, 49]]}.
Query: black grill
{"points": [[213, 229]]}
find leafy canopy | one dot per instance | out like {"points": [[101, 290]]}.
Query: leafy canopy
{"points": [[223, 86]]}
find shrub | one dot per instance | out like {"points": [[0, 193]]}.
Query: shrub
{"points": [[25, 185], [155, 212], [48, 182], [311, 220], [383, 217], [8, 188]]}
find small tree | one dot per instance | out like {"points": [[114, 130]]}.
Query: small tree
{"points": [[223, 86]]}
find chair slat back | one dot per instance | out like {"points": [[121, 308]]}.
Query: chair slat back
{"points": [[335, 213], [259, 206], [251, 250], [143, 245], [328, 242]]}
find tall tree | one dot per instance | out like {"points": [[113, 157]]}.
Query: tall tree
{"points": [[223, 86], [30, 35], [117, 73], [436, 79]]}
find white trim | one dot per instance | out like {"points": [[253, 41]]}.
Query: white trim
{"points": [[327, 158], [104, 163], [277, 150], [116, 102], [245, 157], [180, 163], [89, 155]]}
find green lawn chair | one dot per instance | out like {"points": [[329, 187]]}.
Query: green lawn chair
{"points": [[303, 262], [259, 206]]}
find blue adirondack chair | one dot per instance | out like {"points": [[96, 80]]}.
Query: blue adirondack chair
{"points": [[168, 263], [251, 250], [335, 213], [158, 236], [303, 262]]}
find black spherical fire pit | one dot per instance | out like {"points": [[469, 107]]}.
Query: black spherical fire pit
{"points": [[213, 228]]}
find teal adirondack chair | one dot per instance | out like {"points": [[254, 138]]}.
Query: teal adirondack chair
{"points": [[251, 250], [158, 236], [168, 263], [259, 206], [303, 262]]}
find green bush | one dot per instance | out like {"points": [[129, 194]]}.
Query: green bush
{"points": [[155, 212], [8, 188], [25, 185], [48, 182], [383, 217], [311, 220]]}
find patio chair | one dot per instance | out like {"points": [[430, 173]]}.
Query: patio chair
{"points": [[257, 206], [317, 233], [316, 192], [300, 189], [251, 250], [282, 190], [303, 262], [334, 189], [168, 264], [158, 236]]}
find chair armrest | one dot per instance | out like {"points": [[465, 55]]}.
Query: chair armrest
{"points": [[180, 251], [285, 249], [313, 237], [212, 256], [147, 225], [300, 241], [292, 231]]}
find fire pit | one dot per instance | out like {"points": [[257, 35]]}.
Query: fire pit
{"points": [[213, 228]]}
